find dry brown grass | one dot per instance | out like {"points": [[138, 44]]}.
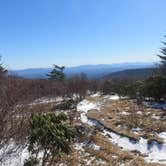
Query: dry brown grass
{"points": [[124, 115], [114, 156], [111, 115]]}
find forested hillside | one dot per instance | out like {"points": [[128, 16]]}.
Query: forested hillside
{"points": [[132, 73]]}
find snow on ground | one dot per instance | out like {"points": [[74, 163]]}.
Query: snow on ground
{"points": [[112, 97], [124, 142], [46, 100], [162, 135], [79, 146], [155, 117], [125, 113], [136, 129], [91, 145], [16, 158], [96, 94], [85, 106], [84, 119], [154, 151], [95, 147], [139, 112]]}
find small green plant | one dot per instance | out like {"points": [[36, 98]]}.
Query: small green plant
{"points": [[50, 135]]}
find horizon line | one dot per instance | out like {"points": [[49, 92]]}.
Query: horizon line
{"points": [[88, 65]]}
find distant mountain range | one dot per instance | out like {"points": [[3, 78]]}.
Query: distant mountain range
{"points": [[92, 71], [131, 73]]}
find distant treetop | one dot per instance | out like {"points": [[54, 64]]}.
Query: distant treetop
{"points": [[3, 71], [57, 73]]}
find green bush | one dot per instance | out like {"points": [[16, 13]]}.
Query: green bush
{"points": [[50, 135], [154, 87]]}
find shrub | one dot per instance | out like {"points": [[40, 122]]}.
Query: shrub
{"points": [[154, 87], [49, 134]]}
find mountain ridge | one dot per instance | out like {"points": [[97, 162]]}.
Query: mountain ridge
{"points": [[132, 73], [92, 71]]}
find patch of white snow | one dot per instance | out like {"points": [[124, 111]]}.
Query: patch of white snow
{"points": [[162, 135]]}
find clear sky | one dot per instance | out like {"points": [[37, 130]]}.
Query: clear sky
{"points": [[39, 33]]}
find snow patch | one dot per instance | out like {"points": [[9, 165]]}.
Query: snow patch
{"points": [[136, 129], [46, 100], [85, 106], [16, 158], [112, 97], [92, 146], [125, 113], [139, 113], [153, 151], [162, 135], [79, 146], [98, 94], [155, 117]]}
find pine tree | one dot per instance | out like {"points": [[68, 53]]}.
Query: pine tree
{"points": [[3, 71], [57, 73], [162, 56]]}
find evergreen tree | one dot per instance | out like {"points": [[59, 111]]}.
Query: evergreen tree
{"points": [[3, 71], [162, 56], [154, 87], [57, 73]]}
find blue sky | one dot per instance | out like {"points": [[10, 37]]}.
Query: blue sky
{"points": [[39, 33]]}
